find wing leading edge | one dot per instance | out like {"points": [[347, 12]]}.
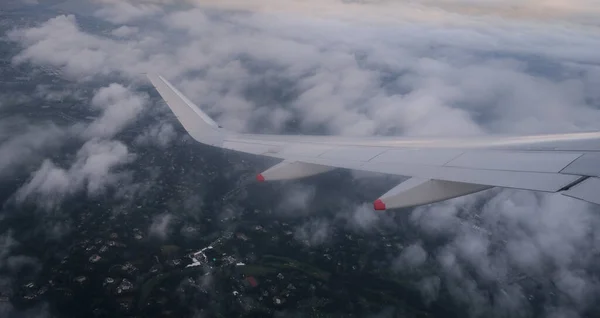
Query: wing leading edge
{"points": [[440, 168]]}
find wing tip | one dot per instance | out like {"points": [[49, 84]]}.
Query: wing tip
{"points": [[197, 123]]}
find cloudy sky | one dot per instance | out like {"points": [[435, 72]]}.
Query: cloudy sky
{"points": [[354, 67]]}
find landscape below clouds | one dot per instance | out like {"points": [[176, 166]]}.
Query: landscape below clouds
{"points": [[359, 68]]}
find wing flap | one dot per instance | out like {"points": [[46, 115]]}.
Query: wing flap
{"points": [[548, 182], [434, 157], [586, 165], [254, 148], [418, 191], [302, 149], [514, 160], [352, 153], [587, 190], [538, 181]]}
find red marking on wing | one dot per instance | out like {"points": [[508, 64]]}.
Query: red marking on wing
{"points": [[379, 205]]}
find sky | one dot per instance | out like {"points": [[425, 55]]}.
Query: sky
{"points": [[360, 68]]}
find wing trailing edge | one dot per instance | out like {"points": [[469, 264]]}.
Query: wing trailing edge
{"points": [[586, 190]]}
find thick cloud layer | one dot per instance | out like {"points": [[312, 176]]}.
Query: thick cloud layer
{"points": [[455, 80], [361, 68], [515, 235]]}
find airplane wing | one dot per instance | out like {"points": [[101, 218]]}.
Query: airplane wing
{"points": [[440, 168]]}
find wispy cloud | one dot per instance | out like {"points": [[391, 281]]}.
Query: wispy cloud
{"points": [[471, 82], [118, 11], [314, 233], [426, 11], [92, 172], [160, 226], [124, 31]]}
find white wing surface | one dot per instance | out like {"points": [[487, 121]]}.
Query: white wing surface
{"points": [[441, 168]]}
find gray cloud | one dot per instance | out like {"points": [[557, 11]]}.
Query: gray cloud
{"points": [[12, 264], [430, 288], [297, 200], [314, 232], [52, 93], [22, 143], [8, 243], [160, 226], [412, 256], [8, 99]]}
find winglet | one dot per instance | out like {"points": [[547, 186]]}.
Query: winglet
{"points": [[197, 123]]}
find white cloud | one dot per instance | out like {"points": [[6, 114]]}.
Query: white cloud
{"points": [[119, 107], [125, 31], [93, 168], [412, 256], [74, 52], [161, 135], [352, 87], [363, 217], [515, 233], [92, 171]]}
